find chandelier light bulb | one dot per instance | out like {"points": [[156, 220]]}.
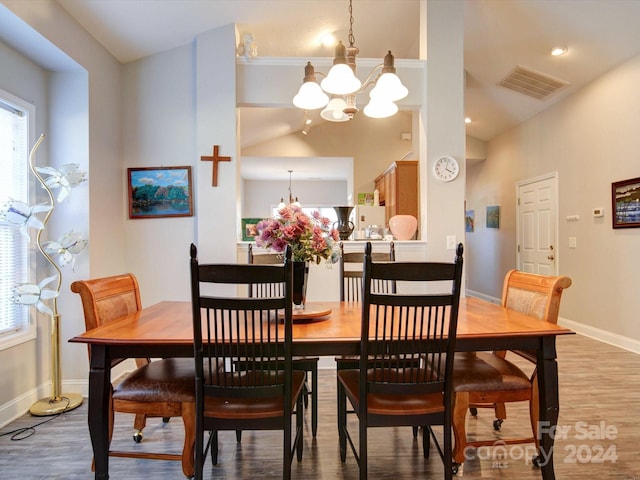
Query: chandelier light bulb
{"points": [[334, 112], [380, 108], [389, 87], [310, 97], [341, 80]]}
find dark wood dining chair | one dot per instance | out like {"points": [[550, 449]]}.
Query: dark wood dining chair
{"points": [[489, 380], [255, 332], [307, 364], [160, 388], [389, 388], [351, 266]]}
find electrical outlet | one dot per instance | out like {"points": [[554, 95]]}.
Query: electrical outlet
{"points": [[451, 242]]}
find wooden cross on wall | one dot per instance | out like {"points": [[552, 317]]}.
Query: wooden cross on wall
{"points": [[215, 159]]}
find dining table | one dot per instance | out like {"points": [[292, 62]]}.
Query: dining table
{"points": [[165, 330]]}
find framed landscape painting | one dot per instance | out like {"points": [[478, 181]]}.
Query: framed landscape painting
{"points": [[156, 192], [625, 200]]}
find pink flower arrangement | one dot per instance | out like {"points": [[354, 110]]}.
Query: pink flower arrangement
{"points": [[312, 238]]}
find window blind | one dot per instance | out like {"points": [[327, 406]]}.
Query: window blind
{"points": [[14, 184]]}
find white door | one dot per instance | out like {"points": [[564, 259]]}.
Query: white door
{"points": [[538, 225]]}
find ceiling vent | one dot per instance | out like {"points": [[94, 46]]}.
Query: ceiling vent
{"points": [[534, 84]]}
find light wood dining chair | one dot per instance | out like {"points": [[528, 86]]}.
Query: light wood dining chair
{"points": [[388, 388], [160, 388], [241, 330], [489, 380]]}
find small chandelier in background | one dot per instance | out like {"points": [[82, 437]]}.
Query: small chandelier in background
{"points": [[292, 200], [343, 86]]}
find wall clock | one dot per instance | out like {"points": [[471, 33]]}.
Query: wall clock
{"points": [[446, 168]]}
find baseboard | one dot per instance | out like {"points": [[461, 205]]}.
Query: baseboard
{"points": [[626, 343], [482, 296]]}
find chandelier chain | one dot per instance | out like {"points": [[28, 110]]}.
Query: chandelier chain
{"points": [[352, 39]]}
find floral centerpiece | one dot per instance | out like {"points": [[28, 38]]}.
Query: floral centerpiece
{"points": [[312, 238]]}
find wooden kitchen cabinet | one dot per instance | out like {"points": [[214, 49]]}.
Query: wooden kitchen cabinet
{"points": [[398, 189]]}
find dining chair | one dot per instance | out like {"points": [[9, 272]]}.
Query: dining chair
{"points": [[160, 388], [388, 388], [255, 332], [351, 265], [489, 379], [307, 364]]}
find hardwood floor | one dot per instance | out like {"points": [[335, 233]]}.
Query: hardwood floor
{"points": [[599, 386]]}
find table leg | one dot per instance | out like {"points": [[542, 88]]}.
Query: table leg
{"points": [[99, 392], [549, 404]]}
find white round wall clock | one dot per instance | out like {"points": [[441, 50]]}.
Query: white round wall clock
{"points": [[446, 168]]}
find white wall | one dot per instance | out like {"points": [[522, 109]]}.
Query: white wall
{"points": [[82, 125], [259, 196], [159, 130], [591, 140]]}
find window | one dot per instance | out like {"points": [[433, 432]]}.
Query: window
{"points": [[15, 118]]}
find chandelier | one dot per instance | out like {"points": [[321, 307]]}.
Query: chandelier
{"points": [[343, 85], [292, 200]]}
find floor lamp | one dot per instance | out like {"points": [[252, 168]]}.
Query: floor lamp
{"points": [[29, 294]]}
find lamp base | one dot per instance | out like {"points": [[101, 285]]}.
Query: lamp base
{"points": [[49, 406]]}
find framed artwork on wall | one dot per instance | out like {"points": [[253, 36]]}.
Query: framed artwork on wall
{"points": [[625, 203], [156, 192], [493, 216], [249, 229], [469, 220]]}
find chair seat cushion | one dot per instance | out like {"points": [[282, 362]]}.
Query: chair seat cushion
{"points": [[390, 404], [166, 380], [247, 408], [484, 371]]}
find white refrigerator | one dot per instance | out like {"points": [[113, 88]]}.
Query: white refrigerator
{"points": [[366, 215]]}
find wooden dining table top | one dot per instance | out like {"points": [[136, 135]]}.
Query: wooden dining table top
{"points": [[170, 323]]}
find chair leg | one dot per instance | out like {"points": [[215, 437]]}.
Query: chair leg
{"points": [[342, 421], [460, 407], [534, 409], [188, 411], [238, 436], [363, 460], [314, 400], [299, 428], [426, 441], [214, 447], [448, 454], [139, 423]]}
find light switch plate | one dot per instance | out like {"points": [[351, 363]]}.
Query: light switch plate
{"points": [[451, 242]]}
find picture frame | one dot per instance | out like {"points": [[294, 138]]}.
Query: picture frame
{"points": [[469, 220], [249, 228], [625, 203], [493, 216], [160, 192]]}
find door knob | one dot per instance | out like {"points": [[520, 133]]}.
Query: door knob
{"points": [[550, 257]]}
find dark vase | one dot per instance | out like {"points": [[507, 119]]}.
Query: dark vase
{"points": [[344, 225], [300, 273]]}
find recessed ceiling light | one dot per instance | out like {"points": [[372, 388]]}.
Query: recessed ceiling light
{"points": [[328, 39], [557, 51]]}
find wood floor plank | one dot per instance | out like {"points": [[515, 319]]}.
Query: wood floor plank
{"points": [[599, 390]]}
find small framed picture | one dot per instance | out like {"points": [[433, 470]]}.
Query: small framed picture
{"points": [[249, 228], [493, 216], [469, 220], [156, 192], [625, 201]]}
